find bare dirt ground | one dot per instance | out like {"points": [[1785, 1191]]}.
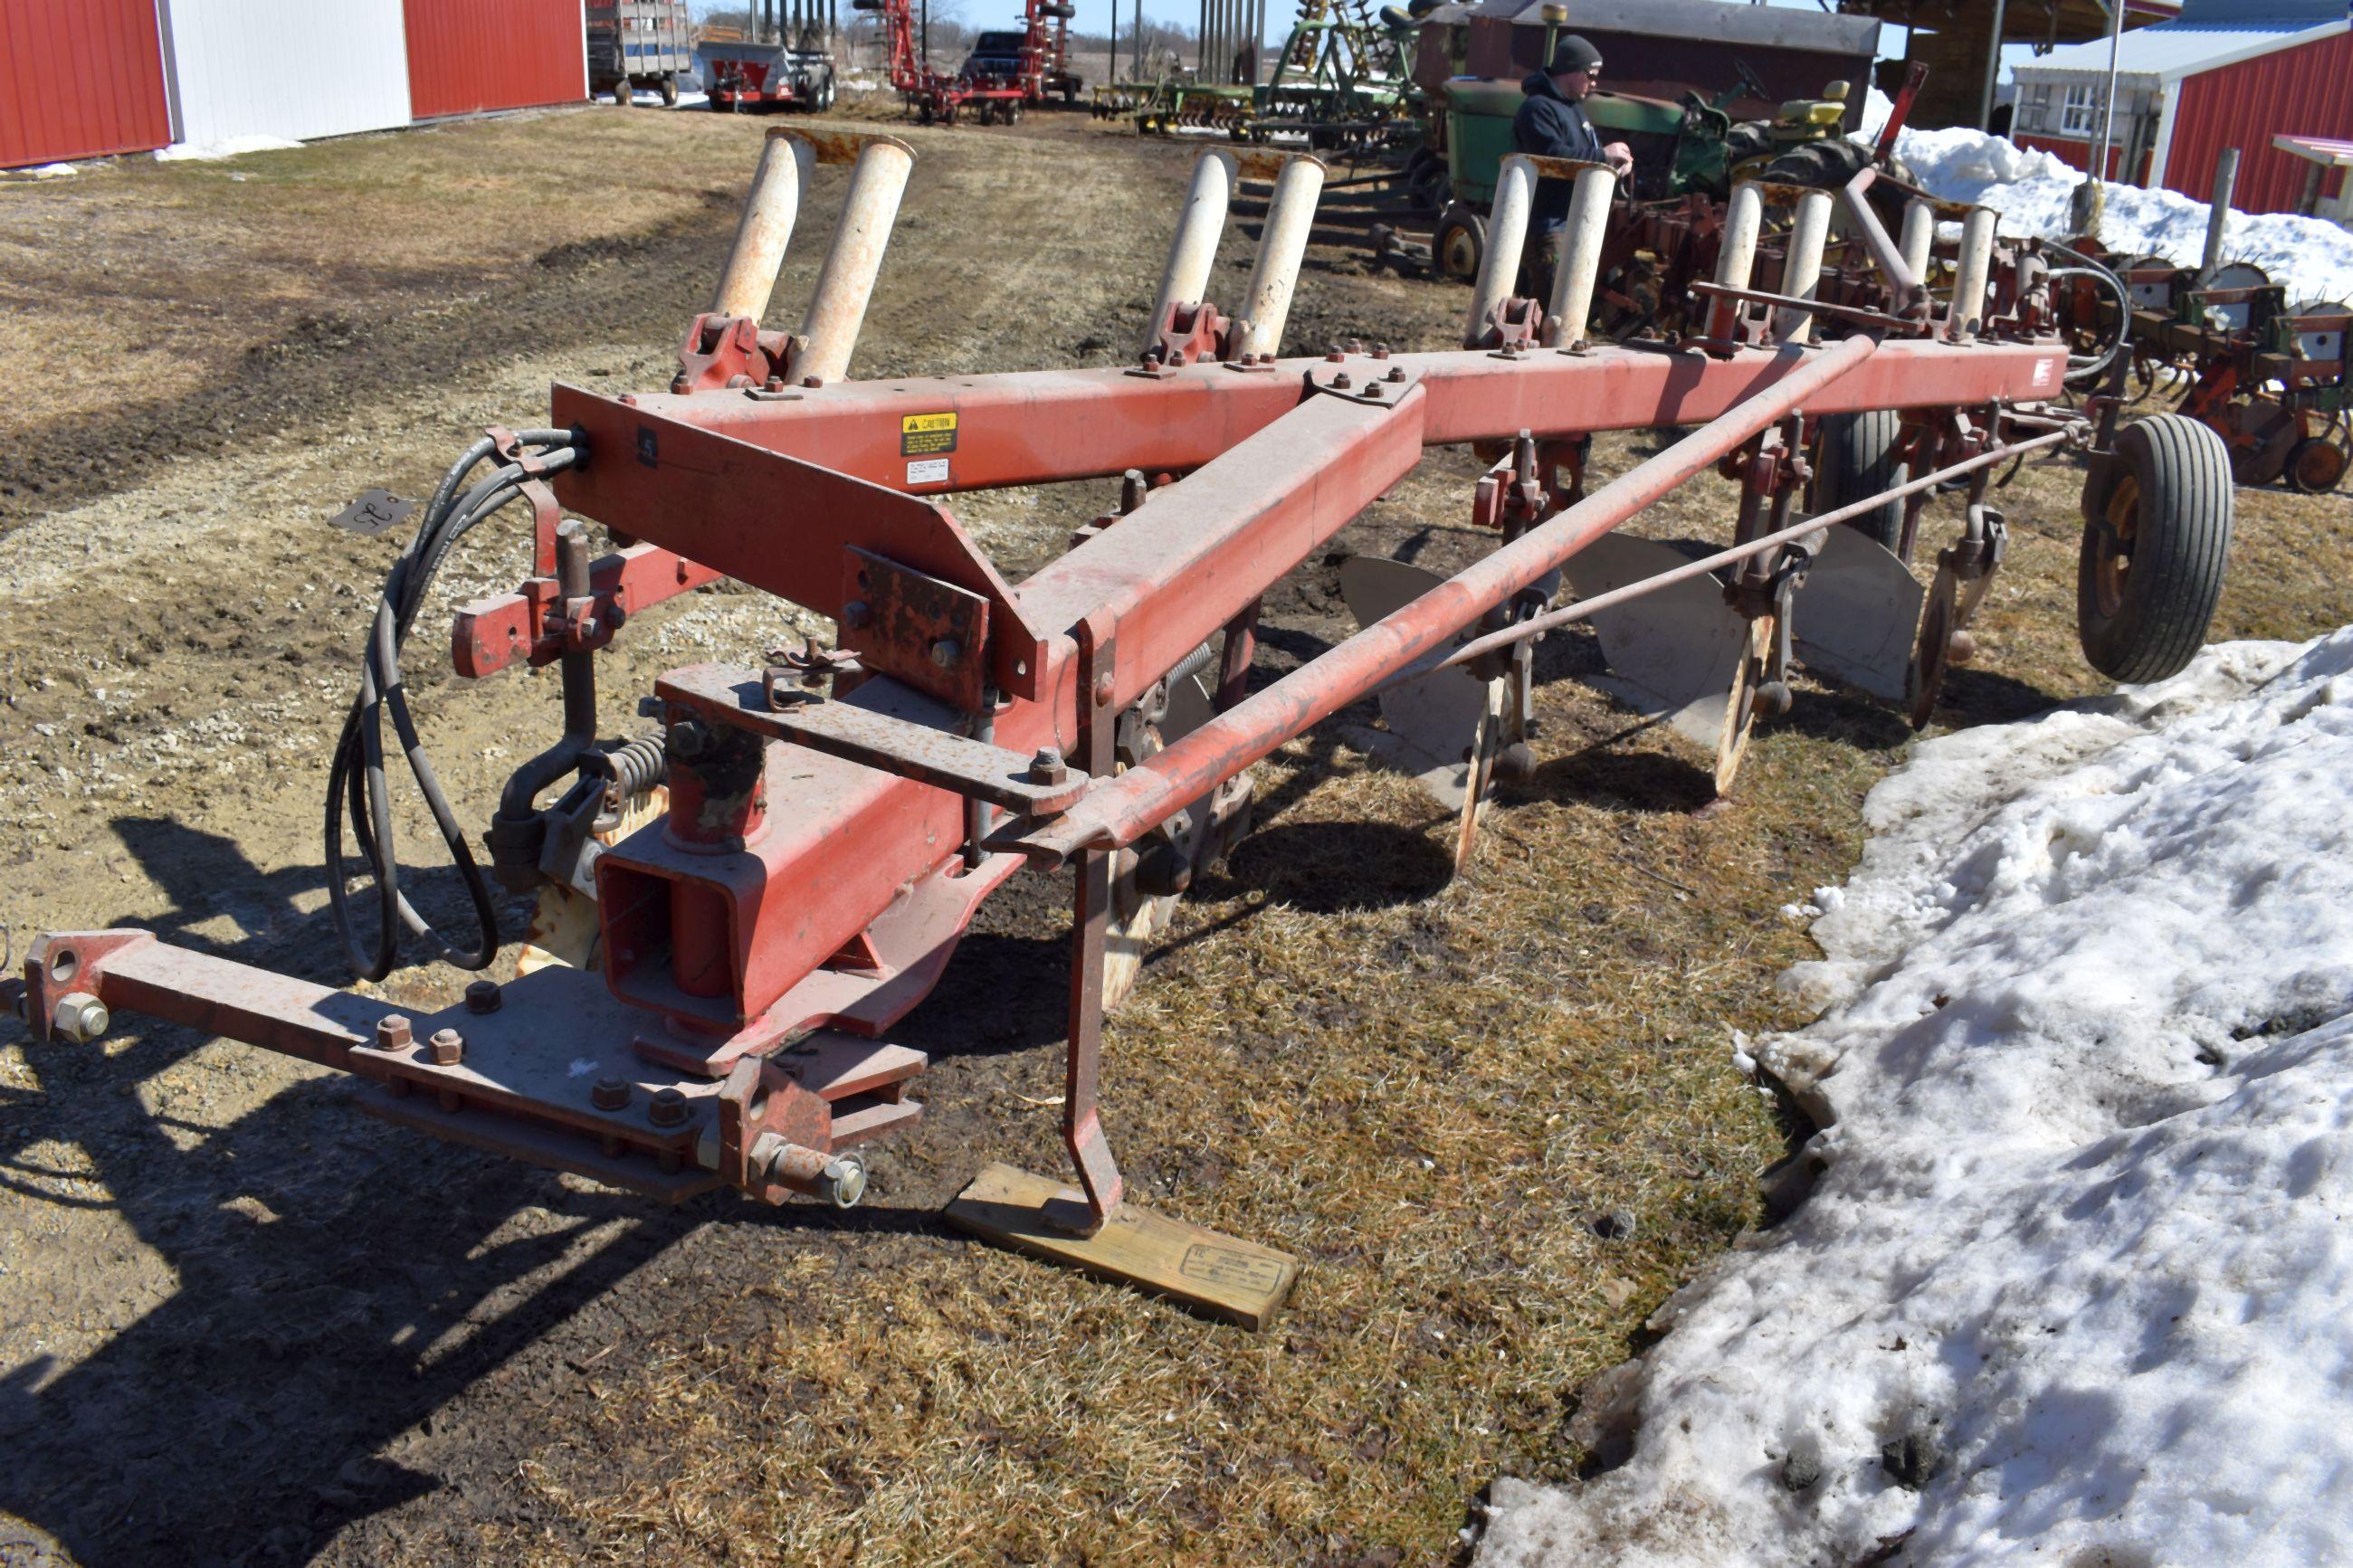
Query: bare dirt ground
{"points": [[1494, 1115]]}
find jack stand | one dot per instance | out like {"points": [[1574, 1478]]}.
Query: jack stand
{"points": [[1090, 1228]]}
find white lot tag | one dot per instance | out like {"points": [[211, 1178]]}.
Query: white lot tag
{"points": [[928, 472]]}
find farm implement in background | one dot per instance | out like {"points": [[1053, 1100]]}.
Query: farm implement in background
{"points": [[736, 906], [2267, 376], [1007, 73]]}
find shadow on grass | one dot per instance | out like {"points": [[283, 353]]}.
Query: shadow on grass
{"points": [[334, 1282]]}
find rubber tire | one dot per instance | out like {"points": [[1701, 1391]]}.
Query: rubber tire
{"points": [[669, 90], [1825, 165], [1458, 215], [625, 96], [2181, 546], [1855, 457]]}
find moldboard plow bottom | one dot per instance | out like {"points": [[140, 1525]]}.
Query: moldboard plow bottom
{"points": [[737, 909]]}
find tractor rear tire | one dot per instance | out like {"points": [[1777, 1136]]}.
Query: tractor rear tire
{"points": [[2155, 547], [1459, 243], [1857, 456]]}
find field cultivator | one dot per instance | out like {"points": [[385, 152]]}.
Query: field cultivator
{"points": [[2268, 377], [737, 907], [994, 87]]}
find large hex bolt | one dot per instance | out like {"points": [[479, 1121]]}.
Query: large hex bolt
{"points": [[449, 1047], [483, 996], [80, 1018], [610, 1094], [843, 1181], [668, 1108], [392, 1033], [1047, 767]]}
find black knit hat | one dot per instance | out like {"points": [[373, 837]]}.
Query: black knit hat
{"points": [[1572, 53]]}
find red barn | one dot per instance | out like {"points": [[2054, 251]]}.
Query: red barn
{"points": [[2229, 73]]}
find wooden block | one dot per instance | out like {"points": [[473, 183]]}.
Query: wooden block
{"points": [[1239, 1282]]}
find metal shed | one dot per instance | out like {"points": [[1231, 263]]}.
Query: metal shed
{"points": [[468, 56], [288, 69], [80, 80]]}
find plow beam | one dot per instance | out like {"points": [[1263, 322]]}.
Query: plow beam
{"points": [[1117, 812], [766, 228], [1281, 247], [1194, 250], [838, 310]]}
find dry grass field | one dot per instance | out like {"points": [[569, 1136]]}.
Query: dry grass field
{"points": [[1494, 1115]]}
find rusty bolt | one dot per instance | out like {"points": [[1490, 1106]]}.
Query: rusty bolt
{"points": [[1047, 767], [1103, 688], [392, 1033], [668, 1108], [609, 1094], [483, 996], [1397, 373], [1381, 350], [855, 615], [80, 1018], [1333, 354], [1372, 389], [687, 739], [449, 1047], [1341, 382], [945, 652]]}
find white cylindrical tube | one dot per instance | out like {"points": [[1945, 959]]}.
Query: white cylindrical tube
{"points": [[1803, 269], [766, 228], [1281, 246], [1580, 255], [1736, 256], [830, 332], [1919, 241], [1970, 277], [1194, 251], [1507, 237]]}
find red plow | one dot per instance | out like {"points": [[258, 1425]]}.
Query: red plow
{"points": [[735, 910]]}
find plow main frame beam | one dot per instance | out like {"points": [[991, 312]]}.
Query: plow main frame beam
{"points": [[804, 895]]}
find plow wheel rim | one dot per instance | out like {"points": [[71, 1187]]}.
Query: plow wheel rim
{"points": [[2112, 547], [2316, 467], [1740, 707]]}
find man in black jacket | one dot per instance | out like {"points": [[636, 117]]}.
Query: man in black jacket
{"points": [[1552, 123]]}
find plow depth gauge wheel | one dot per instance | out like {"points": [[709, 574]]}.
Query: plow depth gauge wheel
{"points": [[2154, 550]]}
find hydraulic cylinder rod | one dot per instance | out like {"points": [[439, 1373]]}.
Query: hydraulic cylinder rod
{"points": [[1118, 812]]}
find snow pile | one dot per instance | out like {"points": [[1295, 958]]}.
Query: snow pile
{"points": [[2036, 192], [226, 147], [2073, 1278]]}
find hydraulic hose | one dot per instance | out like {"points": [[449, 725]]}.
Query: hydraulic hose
{"points": [[356, 785]]}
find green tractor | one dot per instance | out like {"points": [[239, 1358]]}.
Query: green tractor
{"points": [[1692, 148]]}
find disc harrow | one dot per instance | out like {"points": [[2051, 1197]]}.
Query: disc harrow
{"points": [[737, 908]]}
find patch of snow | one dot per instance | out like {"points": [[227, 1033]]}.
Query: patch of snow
{"points": [[227, 147], [2072, 1279], [2034, 192], [693, 101], [45, 172]]}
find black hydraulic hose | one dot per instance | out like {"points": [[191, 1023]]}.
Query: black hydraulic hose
{"points": [[356, 782]]}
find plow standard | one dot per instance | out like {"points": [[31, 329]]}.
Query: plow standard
{"points": [[735, 910]]}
